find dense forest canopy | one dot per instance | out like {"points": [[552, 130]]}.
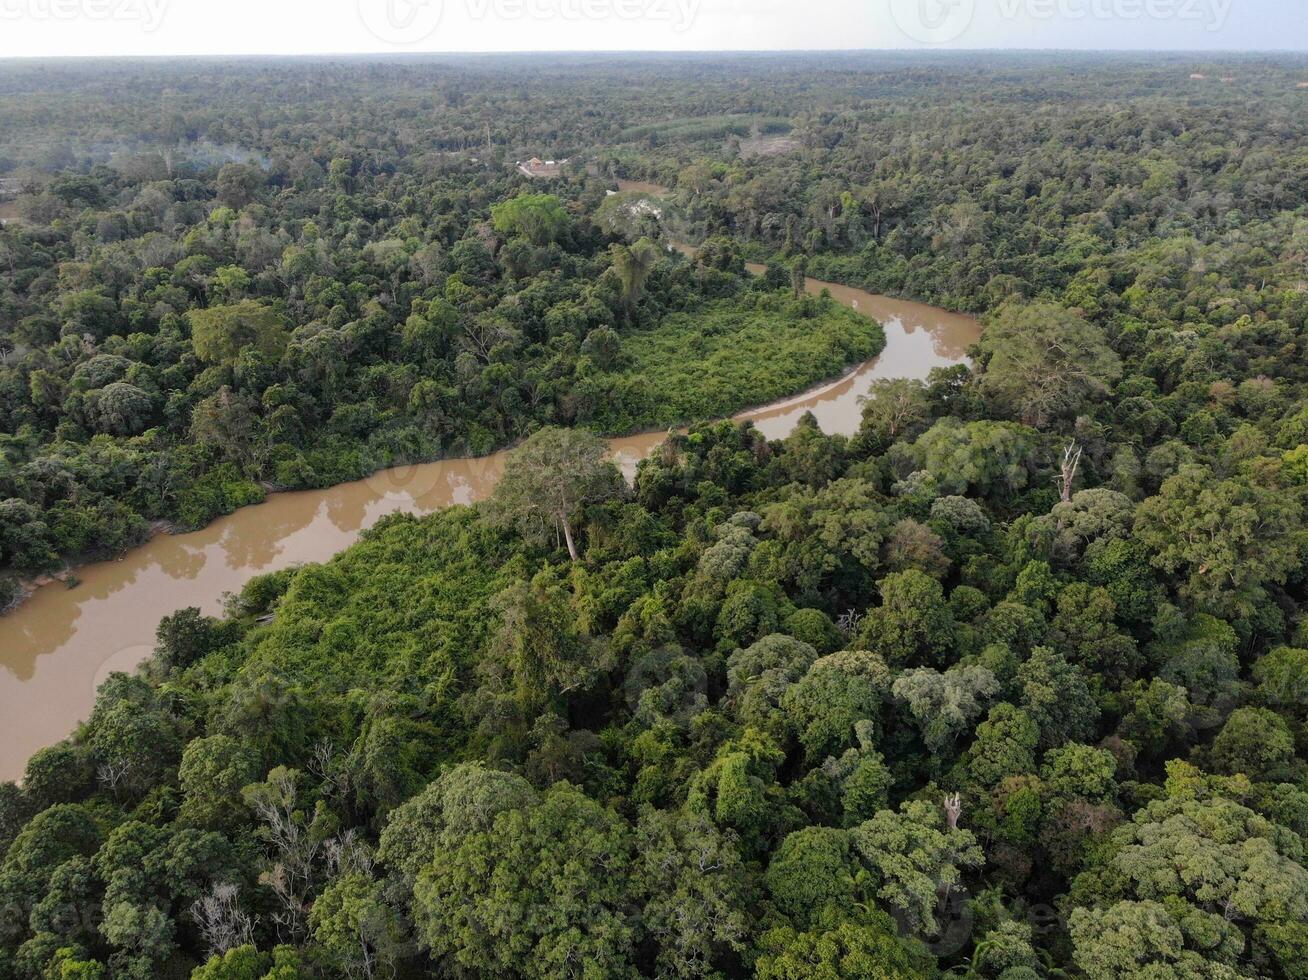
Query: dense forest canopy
{"points": [[1009, 685]]}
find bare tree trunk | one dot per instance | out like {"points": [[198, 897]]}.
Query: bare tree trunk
{"points": [[953, 809], [567, 536], [1071, 462]]}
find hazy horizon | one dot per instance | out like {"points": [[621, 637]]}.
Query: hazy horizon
{"points": [[178, 28], [657, 52]]}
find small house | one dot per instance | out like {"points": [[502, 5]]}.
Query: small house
{"points": [[536, 167]]}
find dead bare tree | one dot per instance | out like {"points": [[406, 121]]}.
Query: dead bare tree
{"points": [[302, 855], [295, 849], [849, 621], [953, 809], [1067, 470], [113, 774], [346, 853], [223, 924], [333, 771], [291, 919], [365, 966], [481, 334]]}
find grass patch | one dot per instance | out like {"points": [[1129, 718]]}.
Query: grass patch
{"points": [[730, 355]]}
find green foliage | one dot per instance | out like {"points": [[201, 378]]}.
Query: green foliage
{"points": [[836, 693], [1154, 939], [1214, 854], [533, 892], [248, 963], [539, 218], [1251, 543], [238, 963], [913, 623], [944, 705], [1054, 694], [464, 800], [911, 854], [221, 333], [851, 951], [984, 459], [694, 886], [1005, 745], [548, 478], [1256, 742], [727, 356], [1044, 363], [354, 927], [784, 689], [713, 127], [633, 266], [811, 877]]}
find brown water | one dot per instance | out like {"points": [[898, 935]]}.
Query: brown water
{"points": [[58, 646]]}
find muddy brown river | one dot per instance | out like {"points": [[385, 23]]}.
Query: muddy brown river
{"points": [[58, 646]]}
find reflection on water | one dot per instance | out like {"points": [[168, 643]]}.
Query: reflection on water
{"points": [[57, 647]]}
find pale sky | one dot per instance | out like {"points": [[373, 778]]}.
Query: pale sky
{"points": [[217, 27]]}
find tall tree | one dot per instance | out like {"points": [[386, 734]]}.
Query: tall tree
{"points": [[549, 477], [1225, 540], [1045, 362], [220, 333], [633, 265], [539, 218]]}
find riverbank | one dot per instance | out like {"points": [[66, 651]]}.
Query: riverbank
{"points": [[726, 356], [61, 643]]}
